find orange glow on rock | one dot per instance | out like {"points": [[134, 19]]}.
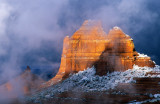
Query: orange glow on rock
{"points": [[90, 45]]}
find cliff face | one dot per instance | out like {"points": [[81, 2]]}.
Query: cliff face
{"points": [[90, 45], [120, 54]]}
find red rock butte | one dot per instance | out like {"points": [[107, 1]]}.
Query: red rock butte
{"points": [[91, 46]]}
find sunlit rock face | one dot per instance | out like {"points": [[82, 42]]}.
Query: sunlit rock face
{"points": [[90, 45], [21, 85]]}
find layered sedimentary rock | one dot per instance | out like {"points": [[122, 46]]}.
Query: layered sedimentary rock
{"points": [[21, 85], [91, 46]]}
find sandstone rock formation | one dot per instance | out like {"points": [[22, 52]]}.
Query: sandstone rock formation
{"points": [[21, 85], [91, 46]]}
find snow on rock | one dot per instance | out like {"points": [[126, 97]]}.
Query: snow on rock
{"points": [[88, 81], [142, 55], [116, 28], [47, 96], [157, 95]]}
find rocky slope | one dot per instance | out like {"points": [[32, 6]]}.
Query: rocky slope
{"points": [[86, 87]]}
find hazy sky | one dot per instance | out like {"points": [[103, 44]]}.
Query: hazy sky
{"points": [[32, 31]]}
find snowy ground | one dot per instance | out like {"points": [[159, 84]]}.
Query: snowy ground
{"points": [[88, 81], [155, 98]]}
